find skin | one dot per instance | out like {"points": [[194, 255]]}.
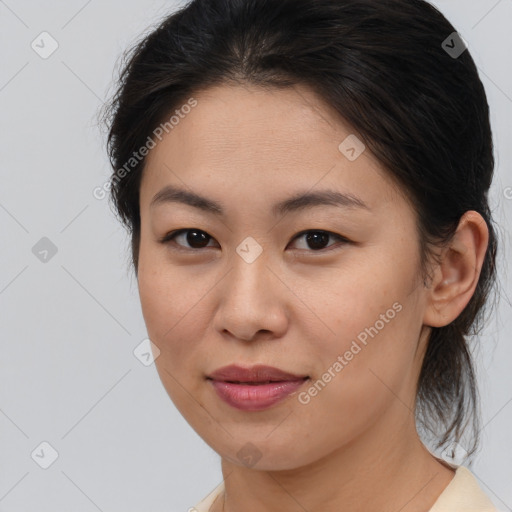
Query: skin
{"points": [[297, 307]]}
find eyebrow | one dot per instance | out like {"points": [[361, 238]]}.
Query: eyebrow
{"points": [[298, 202]]}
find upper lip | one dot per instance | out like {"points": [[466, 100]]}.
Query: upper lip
{"points": [[257, 373]]}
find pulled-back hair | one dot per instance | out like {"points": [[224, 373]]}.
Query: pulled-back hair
{"points": [[386, 67]]}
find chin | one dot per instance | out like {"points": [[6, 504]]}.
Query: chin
{"points": [[266, 454]]}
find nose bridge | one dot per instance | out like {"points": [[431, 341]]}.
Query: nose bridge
{"points": [[250, 297], [250, 277]]}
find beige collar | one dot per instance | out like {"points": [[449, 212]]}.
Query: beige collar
{"points": [[463, 494]]}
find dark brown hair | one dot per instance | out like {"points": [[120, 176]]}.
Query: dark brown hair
{"points": [[391, 70]]}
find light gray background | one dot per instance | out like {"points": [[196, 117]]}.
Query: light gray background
{"points": [[69, 326]]}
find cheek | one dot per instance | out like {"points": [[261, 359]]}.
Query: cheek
{"points": [[361, 306], [375, 322], [170, 309], [167, 299], [359, 383]]}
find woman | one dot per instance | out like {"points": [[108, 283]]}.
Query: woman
{"points": [[305, 184]]}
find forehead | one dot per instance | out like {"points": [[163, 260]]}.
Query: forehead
{"points": [[264, 119], [253, 141]]}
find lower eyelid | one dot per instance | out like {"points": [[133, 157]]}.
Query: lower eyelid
{"points": [[341, 240], [171, 236]]}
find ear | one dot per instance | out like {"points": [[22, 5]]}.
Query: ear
{"points": [[456, 276]]}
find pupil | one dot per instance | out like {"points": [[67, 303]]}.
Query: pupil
{"points": [[317, 238], [191, 240]]}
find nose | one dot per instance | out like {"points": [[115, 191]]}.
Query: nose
{"points": [[252, 302]]}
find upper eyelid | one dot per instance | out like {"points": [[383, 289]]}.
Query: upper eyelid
{"points": [[172, 234]]}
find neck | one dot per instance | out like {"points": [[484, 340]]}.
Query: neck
{"points": [[383, 469]]}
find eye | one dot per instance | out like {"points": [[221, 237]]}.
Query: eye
{"points": [[316, 239], [198, 239]]}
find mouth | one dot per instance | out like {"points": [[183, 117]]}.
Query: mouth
{"points": [[259, 383], [254, 375], [256, 388]]}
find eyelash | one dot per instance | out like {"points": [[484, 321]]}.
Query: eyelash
{"points": [[169, 237]]}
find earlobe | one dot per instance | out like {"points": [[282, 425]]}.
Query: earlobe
{"points": [[456, 275]]}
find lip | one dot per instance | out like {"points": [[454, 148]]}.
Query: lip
{"points": [[254, 388], [258, 373]]}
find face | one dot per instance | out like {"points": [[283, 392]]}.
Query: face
{"points": [[328, 290]]}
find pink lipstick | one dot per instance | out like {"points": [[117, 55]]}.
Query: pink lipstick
{"points": [[254, 388]]}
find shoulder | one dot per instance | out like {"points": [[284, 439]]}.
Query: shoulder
{"points": [[463, 494]]}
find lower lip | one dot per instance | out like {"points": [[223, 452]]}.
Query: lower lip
{"points": [[250, 397]]}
